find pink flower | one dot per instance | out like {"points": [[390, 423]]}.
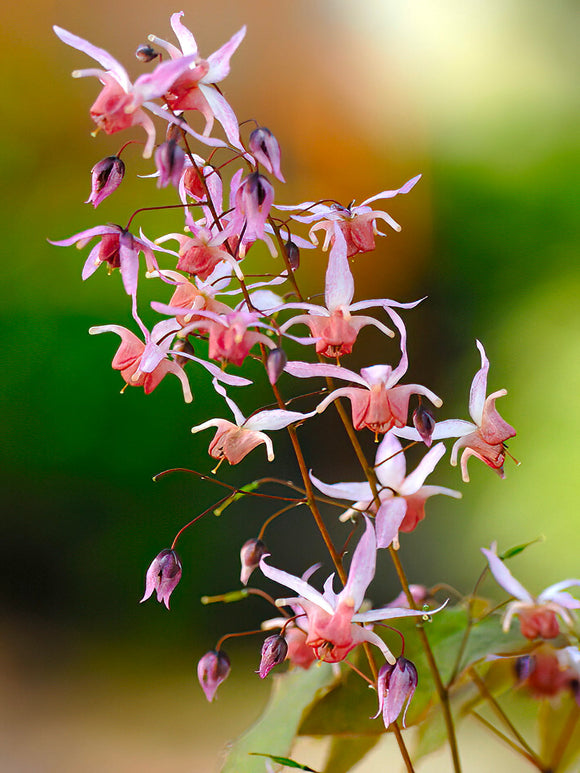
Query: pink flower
{"points": [[118, 106], [379, 405], [396, 686], [485, 436], [332, 619], [117, 247], [537, 615], [195, 88], [402, 497], [333, 328], [146, 364], [358, 224], [235, 441], [163, 576]]}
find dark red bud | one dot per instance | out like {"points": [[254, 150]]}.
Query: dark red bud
{"points": [[275, 364], [264, 146], [182, 345], [293, 254], [250, 555], [146, 53], [256, 185], [170, 162], [424, 423], [274, 651], [106, 176]]}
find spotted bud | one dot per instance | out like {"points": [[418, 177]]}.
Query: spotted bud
{"points": [[274, 651], [293, 254], [250, 555], [106, 176]]}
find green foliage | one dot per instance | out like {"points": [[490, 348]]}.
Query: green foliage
{"points": [[519, 549], [273, 733], [283, 761]]}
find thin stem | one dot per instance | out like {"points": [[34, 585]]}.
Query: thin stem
{"points": [[197, 517], [236, 636], [403, 748], [565, 737], [233, 489], [269, 520], [508, 741], [502, 716]]}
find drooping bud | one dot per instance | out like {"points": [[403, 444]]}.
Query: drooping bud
{"points": [[274, 651], [254, 198], [106, 176], [163, 576], [192, 184], [146, 53], [265, 149], [293, 254], [212, 670], [182, 345], [396, 686], [170, 162], [424, 423], [250, 555], [275, 364], [524, 667]]}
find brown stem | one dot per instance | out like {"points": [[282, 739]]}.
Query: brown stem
{"points": [[502, 716], [508, 741], [565, 737]]}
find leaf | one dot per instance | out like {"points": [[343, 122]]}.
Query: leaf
{"points": [[510, 552], [283, 761], [274, 731], [346, 752]]}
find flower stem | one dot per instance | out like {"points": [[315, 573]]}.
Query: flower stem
{"points": [[531, 758], [565, 737]]}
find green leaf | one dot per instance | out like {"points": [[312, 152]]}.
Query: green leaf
{"points": [[519, 548], [346, 752], [292, 694], [283, 761]]}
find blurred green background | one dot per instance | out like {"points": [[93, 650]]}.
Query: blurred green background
{"points": [[480, 98]]}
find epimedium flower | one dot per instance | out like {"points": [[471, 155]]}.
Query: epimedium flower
{"points": [[195, 88], [333, 619], [537, 615], [358, 224], [119, 105], [163, 576], [266, 150], [396, 686], [333, 327], [485, 436], [234, 441], [117, 247], [402, 497], [379, 405]]}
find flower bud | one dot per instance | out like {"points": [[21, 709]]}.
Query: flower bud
{"points": [[212, 670], [524, 667], [106, 176], [395, 686], [275, 363], [250, 555], [163, 576], [274, 651], [424, 423], [170, 162], [293, 254], [193, 185], [182, 345], [265, 149], [146, 53]]}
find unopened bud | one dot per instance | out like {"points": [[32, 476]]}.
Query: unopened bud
{"points": [[396, 685], [170, 162], [106, 176], [524, 667], [212, 670], [250, 555], [146, 53], [163, 576], [424, 423], [274, 651], [293, 254], [193, 185], [275, 364], [265, 149], [182, 345]]}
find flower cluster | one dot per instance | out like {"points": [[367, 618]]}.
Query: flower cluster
{"points": [[213, 316]]}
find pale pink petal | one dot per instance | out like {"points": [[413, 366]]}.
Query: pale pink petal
{"points": [[391, 194], [352, 492], [99, 54], [310, 370], [219, 61], [388, 613], [362, 568], [183, 35], [493, 428], [415, 480], [390, 465], [224, 114], [339, 286], [301, 587], [479, 388], [238, 415], [276, 419], [504, 577], [389, 517]]}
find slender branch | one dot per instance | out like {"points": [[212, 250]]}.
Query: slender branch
{"points": [[502, 716], [565, 737], [508, 741]]}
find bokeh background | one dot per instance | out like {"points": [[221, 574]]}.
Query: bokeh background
{"points": [[480, 98]]}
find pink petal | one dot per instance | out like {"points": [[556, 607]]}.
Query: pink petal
{"points": [[504, 577], [390, 515], [362, 568], [479, 388], [219, 61], [339, 287], [391, 194]]}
